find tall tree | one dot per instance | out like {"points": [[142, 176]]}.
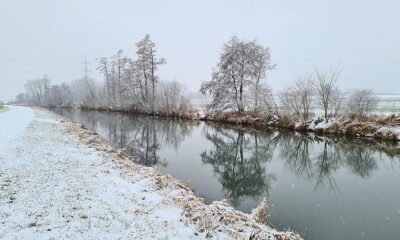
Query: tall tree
{"points": [[148, 63], [242, 65], [104, 68]]}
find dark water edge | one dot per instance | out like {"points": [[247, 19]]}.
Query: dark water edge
{"points": [[323, 188]]}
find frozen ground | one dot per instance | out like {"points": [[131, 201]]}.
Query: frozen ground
{"points": [[58, 181]]}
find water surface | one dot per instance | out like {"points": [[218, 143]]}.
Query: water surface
{"points": [[323, 188]]}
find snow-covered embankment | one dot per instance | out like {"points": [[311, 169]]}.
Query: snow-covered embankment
{"points": [[58, 180]]}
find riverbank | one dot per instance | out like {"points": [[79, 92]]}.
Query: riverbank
{"points": [[62, 181], [382, 128], [191, 114], [375, 127]]}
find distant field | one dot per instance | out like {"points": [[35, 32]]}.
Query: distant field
{"points": [[388, 104]]}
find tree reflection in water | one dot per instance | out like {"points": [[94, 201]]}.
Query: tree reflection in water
{"points": [[149, 134], [238, 159], [139, 135]]}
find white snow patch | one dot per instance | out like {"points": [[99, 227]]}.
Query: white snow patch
{"points": [[13, 122]]}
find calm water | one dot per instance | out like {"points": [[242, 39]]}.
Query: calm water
{"points": [[323, 188]]}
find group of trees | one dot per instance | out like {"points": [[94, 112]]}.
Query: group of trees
{"points": [[129, 84], [299, 99], [37, 91], [238, 84]]}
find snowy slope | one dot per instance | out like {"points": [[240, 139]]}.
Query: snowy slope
{"points": [[59, 181]]}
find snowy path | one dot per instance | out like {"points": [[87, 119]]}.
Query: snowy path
{"points": [[58, 181], [13, 122]]}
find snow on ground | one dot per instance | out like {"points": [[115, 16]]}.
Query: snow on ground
{"points": [[390, 131], [13, 122], [58, 181]]}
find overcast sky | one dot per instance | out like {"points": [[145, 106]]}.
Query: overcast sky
{"points": [[53, 37]]}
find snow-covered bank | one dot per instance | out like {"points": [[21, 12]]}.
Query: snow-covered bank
{"points": [[381, 128], [58, 180]]}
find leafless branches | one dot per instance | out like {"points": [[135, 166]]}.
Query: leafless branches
{"points": [[362, 102], [296, 99], [325, 89]]}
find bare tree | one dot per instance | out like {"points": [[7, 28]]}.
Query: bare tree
{"points": [[119, 64], [37, 90], [104, 68], [170, 97], [337, 102], [296, 99], [362, 102], [325, 87]]}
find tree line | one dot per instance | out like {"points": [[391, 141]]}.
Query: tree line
{"points": [[129, 85], [237, 84]]}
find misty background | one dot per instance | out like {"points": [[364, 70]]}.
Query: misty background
{"points": [[54, 37]]}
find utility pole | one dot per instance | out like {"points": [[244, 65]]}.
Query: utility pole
{"points": [[86, 69], [86, 77], [46, 88]]}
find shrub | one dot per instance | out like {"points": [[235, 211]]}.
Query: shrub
{"points": [[362, 102]]}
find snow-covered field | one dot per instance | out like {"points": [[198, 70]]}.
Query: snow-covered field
{"points": [[59, 181], [387, 104]]}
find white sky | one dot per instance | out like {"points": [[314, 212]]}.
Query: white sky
{"points": [[53, 37]]}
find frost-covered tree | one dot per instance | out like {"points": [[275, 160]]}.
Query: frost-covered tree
{"points": [[337, 102], [104, 68], [362, 102], [171, 97], [325, 89], [147, 64], [117, 67], [37, 90], [296, 99], [261, 64], [129, 85], [237, 79]]}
